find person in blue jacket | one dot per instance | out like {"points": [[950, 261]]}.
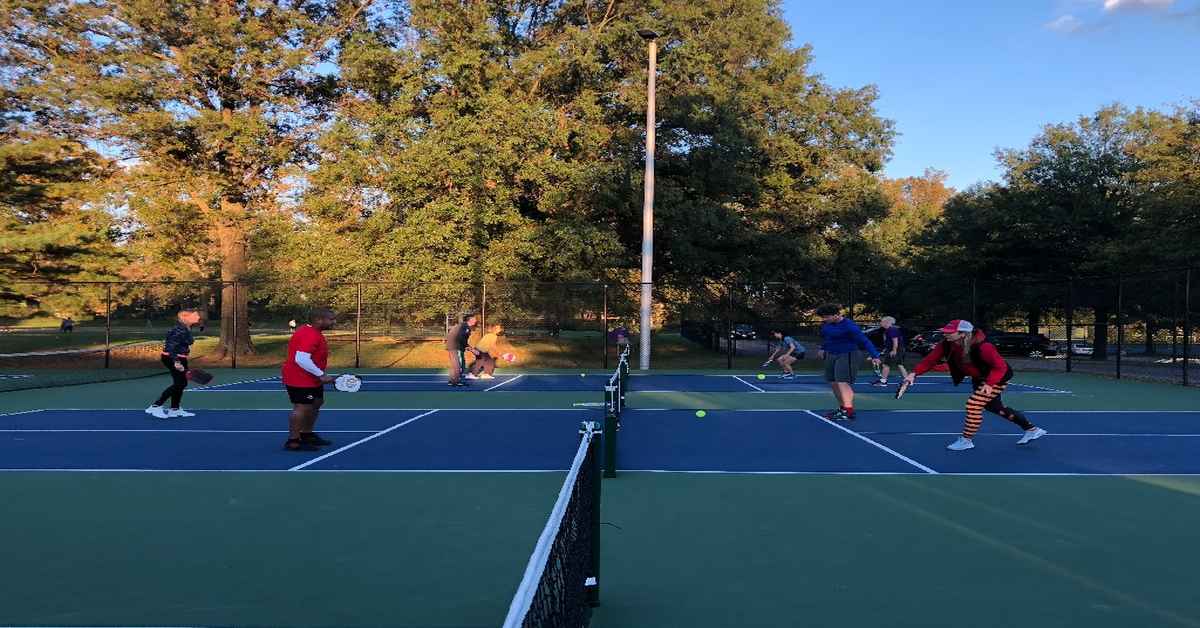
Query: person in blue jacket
{"points": [[842, 347]]}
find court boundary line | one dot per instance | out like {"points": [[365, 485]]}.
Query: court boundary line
{"points": [[356, 443], [1077, 434], [662, 471], [183, 431], [504, 383], [871, 442], [323, 409], [22, 412], [739, 378]]}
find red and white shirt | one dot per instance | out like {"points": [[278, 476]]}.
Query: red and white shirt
{"points": [[310, 340]]}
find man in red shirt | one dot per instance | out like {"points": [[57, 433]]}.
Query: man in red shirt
{"points": [[969, 354], [305, 378]]}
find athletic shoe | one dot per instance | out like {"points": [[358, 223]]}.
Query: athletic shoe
{"points": [[459, 384], [833, 414], [179, 413], [486, 376], [961, 444], [299, 445], [314, 439], [159, 412], [880, 384], [1031, 435], [786, 376], [839, 415], [152, 409], [471, 376]]}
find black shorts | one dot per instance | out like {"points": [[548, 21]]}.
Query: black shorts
{"points": [[305, 396], [893, 362], [842, 367]]}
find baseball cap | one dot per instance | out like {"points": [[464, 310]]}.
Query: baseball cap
{"points": [[958, 325]]}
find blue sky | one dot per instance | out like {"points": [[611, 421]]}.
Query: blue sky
{"points": [[964, 77]]}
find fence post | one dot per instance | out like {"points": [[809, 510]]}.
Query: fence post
{"points": [[483, 307], [1070, 322], [358, 325], [729, 347], [234, 341], [604, 326], [108, 324], [1187, 323], [1120, 323]]}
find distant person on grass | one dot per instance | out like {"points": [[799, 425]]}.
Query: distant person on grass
{"points": [[842, 344], [304, 377], [485, 360], [458, 343], [175, 358], [968, 354], [67, 326], [786, 353], [893, 350]]}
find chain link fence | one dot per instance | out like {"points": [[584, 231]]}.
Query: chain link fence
{"points": [[1130, 326]]}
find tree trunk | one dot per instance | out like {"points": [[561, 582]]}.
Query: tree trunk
{"points": [[1100, 345], [231, 236]]}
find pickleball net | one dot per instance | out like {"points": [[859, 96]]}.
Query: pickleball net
{"points": [[561, 581]]}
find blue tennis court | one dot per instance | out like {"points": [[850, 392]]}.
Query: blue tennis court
{"points": [[560, 382], [724, 441]]}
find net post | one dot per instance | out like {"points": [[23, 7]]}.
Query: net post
{"points": [[234, 341], [1070, 321], [108, 324], [1120, 323], [358, 324], [593, 583], [610, 443]]}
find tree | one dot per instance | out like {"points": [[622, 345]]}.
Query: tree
{"points": [[211, 105], [504, 141], [51, 229]]}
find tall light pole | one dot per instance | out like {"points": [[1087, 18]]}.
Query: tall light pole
{"points": [[648, 205]]}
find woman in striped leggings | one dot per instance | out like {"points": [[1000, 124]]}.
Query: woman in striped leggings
{"points": [[968, 354]]}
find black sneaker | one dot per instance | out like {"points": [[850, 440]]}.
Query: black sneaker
{"points": [[295, 444], [315, 439], [833, 415]]}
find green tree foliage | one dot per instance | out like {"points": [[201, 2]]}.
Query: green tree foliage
{"points": [[504, 140], [211, 105], [51, 229]]}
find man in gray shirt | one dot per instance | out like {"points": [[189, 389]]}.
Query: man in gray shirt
{"points": [[457, 344]]}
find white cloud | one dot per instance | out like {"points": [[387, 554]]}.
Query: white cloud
{"points": [[1065, 24], [1136, 5]]}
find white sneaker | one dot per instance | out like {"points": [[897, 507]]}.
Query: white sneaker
{"points": [[179, 413], [1031, 435], [961, 444], [471, 376], [153, 409], [159, 412], [486, 376]]}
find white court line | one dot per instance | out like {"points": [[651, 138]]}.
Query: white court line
{"points": [[664, 471], [181, 430], [1068, 411], [869, 441], [22, 412], [1056, 434], [237, 383], [738, 378], [360, 441], [504, 383], [323, 410]]}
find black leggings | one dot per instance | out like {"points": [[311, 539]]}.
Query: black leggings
{"points": [[178, 382]]}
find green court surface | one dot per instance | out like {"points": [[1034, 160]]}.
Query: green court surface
{"points": [[441, 535]]}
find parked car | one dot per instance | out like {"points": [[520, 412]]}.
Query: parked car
{"points": [[1022, 344], [743, 331], [923, 343]]}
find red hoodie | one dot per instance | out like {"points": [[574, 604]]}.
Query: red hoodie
{"points": [[987, 361]]}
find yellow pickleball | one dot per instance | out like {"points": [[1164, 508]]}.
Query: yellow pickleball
{"points": [[700, 414], [761, 376]]}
